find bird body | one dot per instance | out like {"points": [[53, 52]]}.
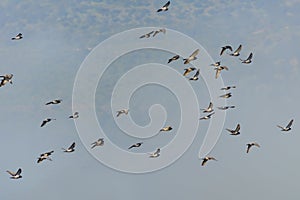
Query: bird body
{"points": [[99, 142], [196, 76], [16, 175], [124, 111], [47, 120], [248, 60], [225, 107], [191, 57], [7, 78], [74, 116], [176, 57], [249, 145], [227, 95], [55, 101], [135, 145], [155, 154], [18, 37], [165, 7], [237, 51], [188, 70], [288, 127], [70, 149], [209, 108], [147, 35], [235, 131], [166, 128], [45, 156], [228, 87]]}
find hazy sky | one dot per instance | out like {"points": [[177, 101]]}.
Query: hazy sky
{"points": [[58, 36]]}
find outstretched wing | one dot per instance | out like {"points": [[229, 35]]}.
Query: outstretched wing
{"points": [[19, 171], [238, 49], [11, 173], [238, 127], [195, 53], [290, 124], [72, 146], [167, 4], [250, 56]]}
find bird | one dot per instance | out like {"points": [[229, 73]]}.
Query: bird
{"points": [[207, 158], [228, 87], [188, 70], [225, 107], [147, 35], [235, 131], [207, 116], [224, 48], [237, 51], [209, 108], [288, 127], [162, 30], [18, 37], [155, 154], [227, 95], [45, 156], [55, 101], [165, 7], [135, 145], [45, 121], [191, 57], [219, 69], [70, 149], [74, 116], [6, 79], [99, 142], [176, 57], [195, 77], [16, 175], [123, 111], [248, 60], [166, 128], [249, 145], [216, 64]]}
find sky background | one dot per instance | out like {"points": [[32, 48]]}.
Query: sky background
{"points": [[58, 35]]}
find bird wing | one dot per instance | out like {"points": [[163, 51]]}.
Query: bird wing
{"points": [[217, 73], [20, 34], [256, 144], [43, 123], [250, 56], [238, 49], [210, 114], [225, 67], [290, 124], [197, 73], [195, 53], [155, 33], [229, 47], [248, 148], [49, 153], [280, 127], [157, 151], [238, 127], [11, 173], [167, 4], [19, 171], [72, 146], [222, 50], [210, 105], [203, 162]]}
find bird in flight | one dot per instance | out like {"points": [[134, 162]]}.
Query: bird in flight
{"points": [[99, 142], [195, 77], [237, 51], [235, 131], [6, 79], [74, 116], [207, 116], [288, 127], [191, 57], [188, 70], [124, 111], [55, 101], [209, 108], [207, 158], [227, 95], [225, 107], [162, 30], [166, 128], [16, 175], [228, 87], [155, 154], [224, 48], [165, 7], [219, 69], [45, 156], [249, 145], [135, 145], [18, 37], [70, 149], [47, 120], [147, 35], [176, 57], [248, 60], [216, 64]]}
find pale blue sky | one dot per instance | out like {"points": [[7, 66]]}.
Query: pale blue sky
{"points": [[59, 35]]}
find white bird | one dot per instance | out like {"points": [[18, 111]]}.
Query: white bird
{"points": [[74, 116], [16, 175], [249, 145], [124, 111], [18, 37], [237, 51], [99, 142], [191, 57], [209, 108], [288, 127], [235, 131], [70, 149], [165, 7], [248, 60], [155, 154]]}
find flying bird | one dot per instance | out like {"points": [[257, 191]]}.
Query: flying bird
{"points": [[207, 158], [188, 70], [191, 57], [55, 101], [207, 116], [99, 142], [225, 107], [6, 79], [248, 60], [249, 145], [155, 154], [124, 111], [162, 30], [288, 127], [228, 87], [47, 120], [147, 35], [209, 108], [227, 95], [219, 69], [70, 149], [166, 128], [165, 7], [235, 131], [74, 116], [18, 37], [224, 48], [237, 51], [195, 77], [135, 145], [16, 175], [216, 64], [176, 57], [45, 156]]}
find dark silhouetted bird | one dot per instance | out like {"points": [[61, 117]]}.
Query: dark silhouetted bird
{"points": [[228, 87], [207, 158], [248, 60], [18, 37], [135, 145], [249, 145], [147, 35], [162, 30], [70, 149], [209, 108], [55, 101], [235, 131], [47, 120], [16, 175], [176, 57], [225, 107], [74, 116], [165, 7], [227, 95], [224, 48]]}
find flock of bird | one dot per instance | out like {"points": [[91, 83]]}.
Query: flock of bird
{"points": [[7, 78]]}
